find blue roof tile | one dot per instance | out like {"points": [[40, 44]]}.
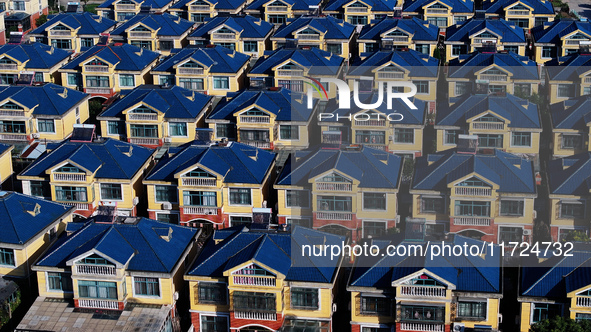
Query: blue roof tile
{"points": [[519, 66], [48, 99], [419, 30], [457, 6], [376, 5], [248, 26], [228, 5], [507, 32], [317, 61], [84, 23], [125, 57], [574, 113], [35, 55], [217, 59], [153, 4], [164, 24], [499, 6], [331, 27], [417, 63], [570, 175], [304, 5], [568, 68], [552, 32]]}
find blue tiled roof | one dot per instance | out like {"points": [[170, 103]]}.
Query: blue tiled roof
{"points": [[551, 32], [20, 220], [570, 175], [250, 27], [235, 163], [125, 57], [318, 61], [272, 250], [519, 112], [110, 159], [154, 4], [419, 30], [568, 68], [519, 66], [376, 5], [48, 99], [85, 23], [499, 6], [218, 59], [4, 147], [286, 105], [331, 27], [372, 168], [296, 4], [508, 32], [219, 4], [142, 242], [457, 6], [165, 24], [419, 64], [173, 102], [573, 113], [511, 173], [35, 56]]}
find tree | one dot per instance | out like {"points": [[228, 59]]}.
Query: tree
{"points": [[561, 324], [577, 236], [40, 20]]}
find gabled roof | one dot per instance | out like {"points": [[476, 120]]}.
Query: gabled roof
{"points": [[511, 173], [35, 55], [218, 59], [250, 27], [318, 61], [274, 250], [22, 217], [569, 68], [499, 6], [173, 102], [285, 104], [570, 175], [219, 4], [552, 32], [420, 30], [376, 5], [86, 23], [152, 246], [466, 273], [508, 32], [520, 66], [520, 112], [48, 99], [419, 64], [124, 57], [372, 168], [165, 24], [4, 148], [457, 6], [331, 27], [235, 162], [110, 158], [573, 113], [296, 4], [154, 4]]}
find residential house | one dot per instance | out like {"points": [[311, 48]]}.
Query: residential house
{"points": [[23, 13], [350, 191], [559, 38], [398, 34], [72, 31], [568, 77], [485, 196], [362, 12], [485, 36], [256, 279], [440, 13], [46, 112], [525, 14], [416, 293], [502, 72], [570, 121], [267, 119], [123, 10], [499, 121], [34, 63], [244, 34], [103, 71], [154, 32], [134, 267], [206, 185], [200, 11], [278, 11], [326, 33], [3, 36], [287, 68], [211, 70], [103, 172], [6, 169]]}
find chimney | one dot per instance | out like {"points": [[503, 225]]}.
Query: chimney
{"points": [[20, 27]]}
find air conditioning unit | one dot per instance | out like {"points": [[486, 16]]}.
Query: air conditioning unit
{"points": [[167, 140], [527, 232], [167, 206], [36, 135], [136, 200], [458, 327], [334, 307], [535, 214]]}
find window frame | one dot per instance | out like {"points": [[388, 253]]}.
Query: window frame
{"points": [[135, 294], [111, 186], [233, 203]]}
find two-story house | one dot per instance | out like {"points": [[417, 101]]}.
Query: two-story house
{"points": [[23, 13], [278, 11], [72, 31], [568, 77], [31, 63], [267, 119], [103, 71], [484, 35], [484, 196], [135, 267], [123, 10], [416, 293], [397, 34], [154, 32], [245, 34], [440, 13], [88, 174], [559, 38], [525, 14], [350, 191], [210, 185], [6, 169], [326, 33], [199, 11], [499, 121], [153, 115], [570, 121], [361, 12], [215, 71], [251, 279], [45, 112]]}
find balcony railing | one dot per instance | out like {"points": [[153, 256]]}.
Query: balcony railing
{"points": [[145, 141], [287, 72], [480, 40], [587, 79], [375, 146], [494, 78], [471, 221], [200, 210], [254, 281], [422, 291], [200, 8], [140, 34], [199, 182], [276, 8], [98, 304], [258, 144], [356, 9], [518, 12], [96, 270], [255, 119], [488, 125], [12, 113], [255, 315], [470, 191], [125, 7], [583, 301], [60, 32], [190, 71], [308, 36], [82, 206], [99, 69], [334, 216], [76, 177], [328, 186], [390, 75], [371, 123], [223, 36], [142, 116], [98, 91], [13, 137], [436, 11], [395, 39], [424, 327], [574, 41], [7, 66]]}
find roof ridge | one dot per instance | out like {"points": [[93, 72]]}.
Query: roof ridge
{"points": [[113, 157], [75, 234], [436, 168], [149, 245], [226, 242], [14, 228], [545, 274], [573, 173]]}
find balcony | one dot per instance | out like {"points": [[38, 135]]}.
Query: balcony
{"points": [[254, 281], [494, 78], [437, 10], [253, 315], [329, 186], [480, 40], [13, 137], [390, 75], [488, 125], [471, 221], [99, 270], [98, 69], [308, 37], [395, 39], [375, 146], [12, 113], [356, 9], [140, 34], [287, 72], [255, 119], [277, 8], [470, 191], [199, 182], [587, 80], [60, 32], [371, 123], [334, 216], [190, 71], [423, 327], [518, 12], [81, 206], [258, 144], [199, 8], [584, 301], [125, 7], [70, 177], [145, 141], [142, 117], [8, 66], [573, 41], [422, 291], [223, 36], [98, 304], [98, 91], [200, 210]]}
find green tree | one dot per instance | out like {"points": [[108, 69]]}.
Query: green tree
{"points": [[561, 324], [577, 236], [40, 20]]}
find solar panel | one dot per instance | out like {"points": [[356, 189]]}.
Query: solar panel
{"points": [[103, 39], [467, 144], [25, 78], [15, 37], [82, 133], [72, 7], [106, 213]]}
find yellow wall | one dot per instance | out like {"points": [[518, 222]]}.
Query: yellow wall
{"points": [[525, 315], [6, 169]]}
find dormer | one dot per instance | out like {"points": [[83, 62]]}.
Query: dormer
{"points": [[583, 298], [277, 6], [487, 121], [436, 8], [60, 30], [576, 38], [198, 177], [224, 32], [307, 33], [125, 5], [357, 7], [10, 108], [96, 65], [142, 113], [421, 284], [493, 74], [390, 70], [200, 6], [333, 181], [472, 185], [140, 31], [254, 115], [290, 69], [484, 36], [395, 35], [190, 67], [69, 172], [252, 274], [518, 9]]}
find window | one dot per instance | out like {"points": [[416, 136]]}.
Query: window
{"points": [[71, 194], [422, 313], [45, 126], [357, 20], [565, 91], [123, 16], [251, 46], [375, 305], [371, 137], [404, 135], [296, 198], [423, 48], [438, 21], [586, 90], [73, 79], [231, 46], [168, 80], [238, 220], [111, 191], [374, 201], [543, 311], [510, 234], [166, 194], [191, 83], [459, 19], [251, 301], [521, 139], [540, 21], [432, 205], [146, 286], [374, 228], [299, 222], [548, 52], [514, 49], [227, 130], [221, 83], [472, 208], [572, 209], [334, 203], [371, 47], [240, 196], [113, 128], [142, 43], [171, 218], [97, 81], [38, 77], [277, 19], [451, 136], [571, 142], [19, 5], [511, 208], [200, 198], [334, 48], [490, 141], [166, 45], [211, 292], [40, 189], [422, 87], [472, 310], [581, 316], [289, 132], [523, 89], [304, 298], [86, 42], [214, 323], [462, 88], [177, 129], [97, 289], [7, 257], [459, 49], [376, 329], [126, 80], [144, 130], [16, 127], [199, 18], [520, 22], [57, 281], [64, 44]]}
